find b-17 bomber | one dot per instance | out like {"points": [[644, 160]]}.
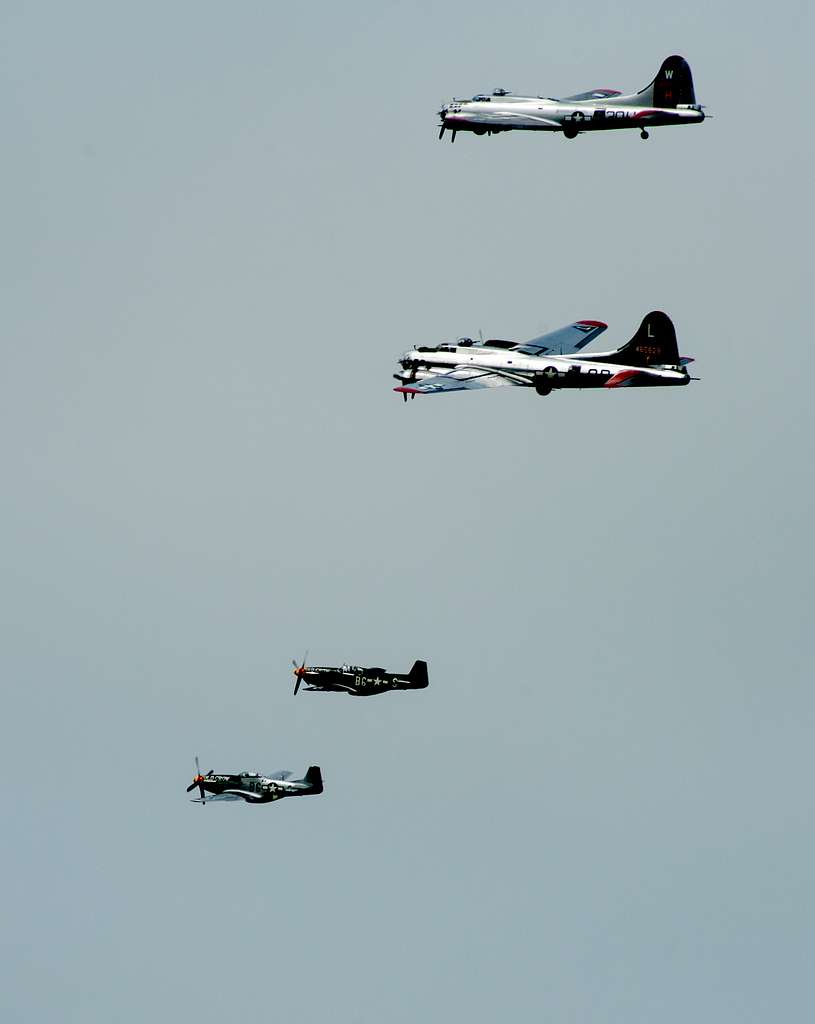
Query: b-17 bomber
{"points": [[253, 787], [358, 681], [553, 361], [668, 100]]}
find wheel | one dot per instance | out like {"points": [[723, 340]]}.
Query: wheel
{"points": [[643, 134], [570, 132]]}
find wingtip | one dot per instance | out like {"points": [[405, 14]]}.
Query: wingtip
{"points": [[593, 323]]}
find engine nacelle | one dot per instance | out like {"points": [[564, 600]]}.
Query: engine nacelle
{"points": [[546, 379]]}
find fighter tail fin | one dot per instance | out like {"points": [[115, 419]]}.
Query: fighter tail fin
{"points": [[418, 674], [314, 777], [654, 344], [672, 86]]}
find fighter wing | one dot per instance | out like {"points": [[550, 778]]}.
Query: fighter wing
{"points": [[462, 378], [594, 94], [237, 794], [214, 796], [565, 340]]}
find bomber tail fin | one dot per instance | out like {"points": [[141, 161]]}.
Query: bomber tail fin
{"points": [[672, 87], [654, 344], [418, 674]]}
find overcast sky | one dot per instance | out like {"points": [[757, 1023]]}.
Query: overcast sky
{"points": [[222, 225]]}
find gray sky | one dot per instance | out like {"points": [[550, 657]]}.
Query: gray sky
{"points": [[222, 225]]}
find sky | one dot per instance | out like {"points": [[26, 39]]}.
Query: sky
{"points": [[222, 226]]}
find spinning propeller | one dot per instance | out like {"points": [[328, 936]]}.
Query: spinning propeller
{"points": [[199, 781], [299, 672]]}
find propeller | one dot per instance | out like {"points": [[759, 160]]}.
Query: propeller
{"points": [[443, 124], [199, 781], [299, 672]]}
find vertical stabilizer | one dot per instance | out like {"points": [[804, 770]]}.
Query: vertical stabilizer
{"points": [[418, 674], [314, 777], [672, 87], [654, 344]]}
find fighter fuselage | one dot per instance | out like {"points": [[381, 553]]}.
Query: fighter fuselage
{"points": [[359, 681]]}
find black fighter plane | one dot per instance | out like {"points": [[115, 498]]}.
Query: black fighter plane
{"points": [[359, 682], [252, 787]]}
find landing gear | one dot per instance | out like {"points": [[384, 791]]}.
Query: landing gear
{"points": [[643, 134], [569, 132]]}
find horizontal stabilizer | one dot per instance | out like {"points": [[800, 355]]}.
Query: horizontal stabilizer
{"points": [[622, 379]]}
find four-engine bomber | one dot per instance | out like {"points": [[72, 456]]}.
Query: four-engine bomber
{"points": [[553, 361], [668, 100]]}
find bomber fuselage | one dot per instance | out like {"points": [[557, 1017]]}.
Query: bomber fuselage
{"points": [[551, 371], [488, 114]]}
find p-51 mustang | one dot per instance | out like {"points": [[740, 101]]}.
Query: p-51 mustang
{"points": [[669, 99], [551, 362], [253, 788], [359, 682]]}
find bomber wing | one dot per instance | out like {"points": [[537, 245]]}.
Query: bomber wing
{"points": [[462, 378], [565, 340], [507, 118], [594, 94]]}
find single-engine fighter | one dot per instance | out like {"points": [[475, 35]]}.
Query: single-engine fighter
{"points": [[252, 787], [669, 99], [551, 362], [359, 682]]}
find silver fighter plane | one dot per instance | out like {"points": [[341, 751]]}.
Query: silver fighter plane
{"points": [[669, 99], [551, 362]]}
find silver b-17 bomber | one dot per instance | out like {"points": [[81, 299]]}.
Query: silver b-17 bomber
{"points": [[670, 99], [252, 787], [550, 362], [358, 681]]}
